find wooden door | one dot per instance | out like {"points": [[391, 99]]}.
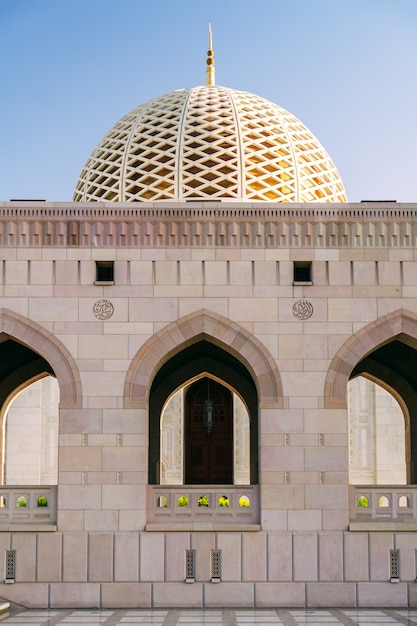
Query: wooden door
{"points": [[208, 456]]}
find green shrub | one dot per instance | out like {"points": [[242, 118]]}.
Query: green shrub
{"points": [[203, 501], [182, 501]]}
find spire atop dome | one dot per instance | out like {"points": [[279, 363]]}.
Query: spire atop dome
{"points": [[209, 143], [210, 62]]}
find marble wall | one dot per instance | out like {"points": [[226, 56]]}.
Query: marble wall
{"points": [[225, 276]]}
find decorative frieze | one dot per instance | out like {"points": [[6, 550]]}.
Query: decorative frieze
{"points": [[208, 224]]}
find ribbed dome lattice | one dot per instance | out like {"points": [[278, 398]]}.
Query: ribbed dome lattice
{"points": [[210, 142]]}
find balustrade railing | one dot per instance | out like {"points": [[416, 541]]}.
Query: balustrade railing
{"points": [[393, 503], [27, 506], [211, 507]]}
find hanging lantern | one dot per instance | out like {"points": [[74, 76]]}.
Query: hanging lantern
{"points": [[208, 415]]}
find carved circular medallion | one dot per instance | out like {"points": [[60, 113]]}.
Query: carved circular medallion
{"points": [[103, 309], [302, 309]]}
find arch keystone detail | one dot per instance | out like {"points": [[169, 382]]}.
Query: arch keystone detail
{"points": [[198, 326], [393, 325], [49, 348]]}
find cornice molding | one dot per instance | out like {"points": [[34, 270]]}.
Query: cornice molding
{"points": [[208, 224]]}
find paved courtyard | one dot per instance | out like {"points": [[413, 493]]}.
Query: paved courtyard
{"points": [[191, 617]]}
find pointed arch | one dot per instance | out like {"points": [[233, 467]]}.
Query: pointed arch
{"points": [[206, 326], [53, 356], [400, 324]]}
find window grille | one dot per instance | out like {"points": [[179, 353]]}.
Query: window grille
{"points": [[190, 566], [10, 566], [215, 566], [394, 566]]}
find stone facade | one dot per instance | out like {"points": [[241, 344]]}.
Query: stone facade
{"points": [[209, 289]]}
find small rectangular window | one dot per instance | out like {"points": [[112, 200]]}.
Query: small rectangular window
{"points": [[105, 272], [302, 272]]}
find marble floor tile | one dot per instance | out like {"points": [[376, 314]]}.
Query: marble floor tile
{"points": [[211, 617]]}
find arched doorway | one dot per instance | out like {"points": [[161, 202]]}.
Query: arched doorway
{"points": [[173, 441], [385, 352], [28, 353], [197, 366], [202, 343], [208, 445]]}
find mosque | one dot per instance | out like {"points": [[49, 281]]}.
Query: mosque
{"points": [[208, 373]]}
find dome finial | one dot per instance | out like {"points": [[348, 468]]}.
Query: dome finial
{"points": [[210, 62]]}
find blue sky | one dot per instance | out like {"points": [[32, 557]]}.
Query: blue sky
{"points": [[69, 69]]}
